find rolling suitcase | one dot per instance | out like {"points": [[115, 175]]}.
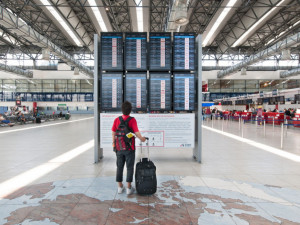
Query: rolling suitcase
{"points": [[145, 175]]}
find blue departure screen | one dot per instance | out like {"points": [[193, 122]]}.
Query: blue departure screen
{"points": [[160, 53], [112, 51], [184, 51], [112, 91], [184, 91], [135, 51], [160, 91], [136, 90]]}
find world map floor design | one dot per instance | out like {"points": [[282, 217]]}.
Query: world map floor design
{"points": [[179, 200]]}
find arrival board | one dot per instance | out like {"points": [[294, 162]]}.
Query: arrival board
{"points": [[184, 51], [135, 51], [111, 51], [136, 90], [112, 91], [160, 53], [184, 92], [160, 91]]}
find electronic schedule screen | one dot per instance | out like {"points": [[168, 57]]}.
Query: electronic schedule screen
{"points": [[184, 92], [136, 51], [184, 51], [160, 54], [136, 90], [112, 91], [160, 91], [112, 51]]}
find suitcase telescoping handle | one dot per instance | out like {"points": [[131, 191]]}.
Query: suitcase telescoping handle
{"points": [[141, 145]]}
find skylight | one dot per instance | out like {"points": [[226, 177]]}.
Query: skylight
{"points": [[139, 15], [62, 22], [219, 21], [98, 15], [243, 37]]}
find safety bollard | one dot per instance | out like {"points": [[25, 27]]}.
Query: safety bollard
{"points": [[256, 121], [273, 123], [239, 123], [242, 129], [264, 127], [212, 122], [281, 142], [286, 122]]}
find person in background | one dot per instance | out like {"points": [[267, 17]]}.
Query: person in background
{"points": [[125, 154], [6, 121]]}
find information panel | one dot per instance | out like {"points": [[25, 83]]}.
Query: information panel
{"points": [[112, 51], [136, 90], [136, 51], [184, 51], [184, 92], [160, 91], [164, 130], [112, 91], [160, 53]]}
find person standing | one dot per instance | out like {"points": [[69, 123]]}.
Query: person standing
{"points": [[124, 148]]}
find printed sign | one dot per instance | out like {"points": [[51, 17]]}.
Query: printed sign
{"points": [[186, 53], [162, 52], [138, 53]]}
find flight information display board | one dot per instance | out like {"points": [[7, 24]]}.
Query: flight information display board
{"points": [[136, 90], [160, 53], [112, 91], [136, 51], [112, 51], [184, 92], [160, 91], [184, 51]]}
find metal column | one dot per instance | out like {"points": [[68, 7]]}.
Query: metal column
{"points": [[98, 152], [198, 122]]}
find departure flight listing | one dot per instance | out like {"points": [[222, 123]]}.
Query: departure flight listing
{"points": [[112, 91], [111, 51], [136, 51], [184, 92], [136, 90], [160, 91], [184, 51], [160, 51]]}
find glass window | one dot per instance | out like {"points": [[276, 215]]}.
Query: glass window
{"points": [[214, 84], [35, 86], [48, 85], [9, 85], [61, 86], [71, 86], [87, 85], [239, 84], [225, 84], [291, 84], [252, 84], [22, 85]]}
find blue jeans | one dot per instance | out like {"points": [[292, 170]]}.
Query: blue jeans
{"points": [[5, 121]]}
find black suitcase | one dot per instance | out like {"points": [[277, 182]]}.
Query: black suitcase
{"points": [[38, 120], [145, 175]]}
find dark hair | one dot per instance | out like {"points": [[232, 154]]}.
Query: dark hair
{"points": [[126, 108]]}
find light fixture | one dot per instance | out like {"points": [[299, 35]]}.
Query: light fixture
{"points": [[107, 9], [62, 22], [181, 17], [286, 54], [139, 15], [216, 25], [243, 71], [243, 37], [76, 71], [45, 54], [97, 14]]}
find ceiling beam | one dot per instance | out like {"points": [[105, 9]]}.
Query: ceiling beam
{"points": [[290, 73], [12, 22], [277, 48], [16, 70]]}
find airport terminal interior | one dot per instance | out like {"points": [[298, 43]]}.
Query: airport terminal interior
{"points": [[214, 85]]}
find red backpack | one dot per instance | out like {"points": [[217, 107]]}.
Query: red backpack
{"points": [[122, 142]]}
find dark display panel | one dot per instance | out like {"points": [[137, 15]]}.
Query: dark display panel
{"points": [[280, 99], [112, 51], [184, 51], [160, 91], [112, 91], [136, 51], [136, 90], [160, 53], [184, 92], [260, 101], [297, 98]]}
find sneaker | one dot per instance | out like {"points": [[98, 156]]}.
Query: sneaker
{"points": [[120, 190], [129, 191]]}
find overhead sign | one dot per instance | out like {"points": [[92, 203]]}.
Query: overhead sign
{"points": [[163, 130], [275, 92]]}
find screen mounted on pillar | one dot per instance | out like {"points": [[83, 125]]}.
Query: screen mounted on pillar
{"points": [[112, 51], [184, 51], [136, 51], [160, 52], [160, 91], [136, 90], [184, 92], [111, 91]]}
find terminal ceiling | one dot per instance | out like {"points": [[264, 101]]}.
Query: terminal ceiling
{"points": [[248, 27]]}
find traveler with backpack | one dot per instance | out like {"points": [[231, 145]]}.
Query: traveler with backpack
{"points": [[124, 145]]}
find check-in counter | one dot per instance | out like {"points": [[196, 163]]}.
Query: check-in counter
{"points": [[226, 114], [296, 120], [246, 115], [237, 115]]}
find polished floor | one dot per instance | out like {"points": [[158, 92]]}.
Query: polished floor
{"points": [[47, 176]]}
